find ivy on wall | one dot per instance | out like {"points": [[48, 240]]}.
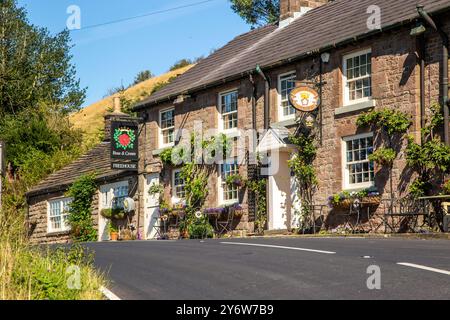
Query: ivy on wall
{"points": [[195, 175], [80, 210], [391, 125], [431, 159], [259, 187], [304, 171]]}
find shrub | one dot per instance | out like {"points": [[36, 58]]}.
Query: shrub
{"points": [[200, 229]]}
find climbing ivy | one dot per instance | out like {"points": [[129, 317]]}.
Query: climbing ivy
{"points": [[390, 124], [303, 169], [430, 159], [80, 210], [258, 187]]}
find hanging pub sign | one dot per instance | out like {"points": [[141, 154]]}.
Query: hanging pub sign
{"points": [[124, 141], [304, 99]]}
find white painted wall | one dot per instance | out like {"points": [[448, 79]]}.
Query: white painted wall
{"points": [[279, 193], [151, 209]]}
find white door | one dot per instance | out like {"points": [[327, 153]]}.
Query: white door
{"points": [[279, 192], [118, 190], [151, 211]]}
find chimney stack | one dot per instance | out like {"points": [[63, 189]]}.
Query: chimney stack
{"points": [[117, 114], [291, 9]]}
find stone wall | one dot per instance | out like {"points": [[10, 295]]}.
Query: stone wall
{"points": [[395, 84], [38, 206]]}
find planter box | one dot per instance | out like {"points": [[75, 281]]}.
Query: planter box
{"points": [[343, 205], [375, 200]]}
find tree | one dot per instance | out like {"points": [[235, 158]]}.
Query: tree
{"points": [[115, 90], [142, 76], [38, 89], [257, 12], [35, 66], [180, 64]]}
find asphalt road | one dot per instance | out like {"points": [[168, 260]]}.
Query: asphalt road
{"points": [[276, 268]]}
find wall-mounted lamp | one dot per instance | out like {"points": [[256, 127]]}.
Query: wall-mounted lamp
{"points": [[325, 57]]}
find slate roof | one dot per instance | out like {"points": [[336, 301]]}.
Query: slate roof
{"points": [[320, 29], [97, 160]]}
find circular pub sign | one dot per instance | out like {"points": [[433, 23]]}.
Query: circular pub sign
{"points": [[304, 99]]}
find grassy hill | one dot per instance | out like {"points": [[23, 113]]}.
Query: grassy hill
{"points": [[90, 119]]}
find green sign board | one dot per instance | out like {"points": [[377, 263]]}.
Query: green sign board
{"points": [[124, 141]]}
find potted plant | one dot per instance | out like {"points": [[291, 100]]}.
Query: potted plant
{"points": [[113, 232], [183, 227], [126, 235]]}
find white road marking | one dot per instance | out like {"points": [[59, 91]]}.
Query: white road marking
{"points": [[109, 294], [418, 266], [277, 247]]}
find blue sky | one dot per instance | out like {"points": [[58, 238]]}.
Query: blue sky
{"points": [[107, 55]]}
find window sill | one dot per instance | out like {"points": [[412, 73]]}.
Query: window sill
{"points": [[58, 233], [355, 107], [229, 202], [359, 187]]}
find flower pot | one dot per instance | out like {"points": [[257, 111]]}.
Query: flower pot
{"points": [[114, 236], [185, 234]]}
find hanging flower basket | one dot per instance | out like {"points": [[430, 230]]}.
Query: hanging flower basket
{"points": [[113, 214], [372, 200], [343, 200], [235, 180], [342, 205], [214, 210], [238, 210]]}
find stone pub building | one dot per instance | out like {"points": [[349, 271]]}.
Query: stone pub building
{"points": [[367, 57]]}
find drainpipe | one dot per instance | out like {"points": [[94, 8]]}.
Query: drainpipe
{"points": [[252, 81], [266, 97], [444, 84], [421, 47]]}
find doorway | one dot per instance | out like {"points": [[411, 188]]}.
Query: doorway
{"points": [[151, 207]]}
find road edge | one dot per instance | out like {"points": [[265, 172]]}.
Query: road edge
{"points": [[109, 294]]}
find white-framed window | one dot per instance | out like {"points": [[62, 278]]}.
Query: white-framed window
{"points": [[358, 169], [113, 195], [228, 110], [286, 83], [228, 194], [58, 212], [357, 72], [178, 192], [167, 127]]}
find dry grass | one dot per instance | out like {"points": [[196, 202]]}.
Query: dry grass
{"points": [[90, 119], [31, 273]]}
